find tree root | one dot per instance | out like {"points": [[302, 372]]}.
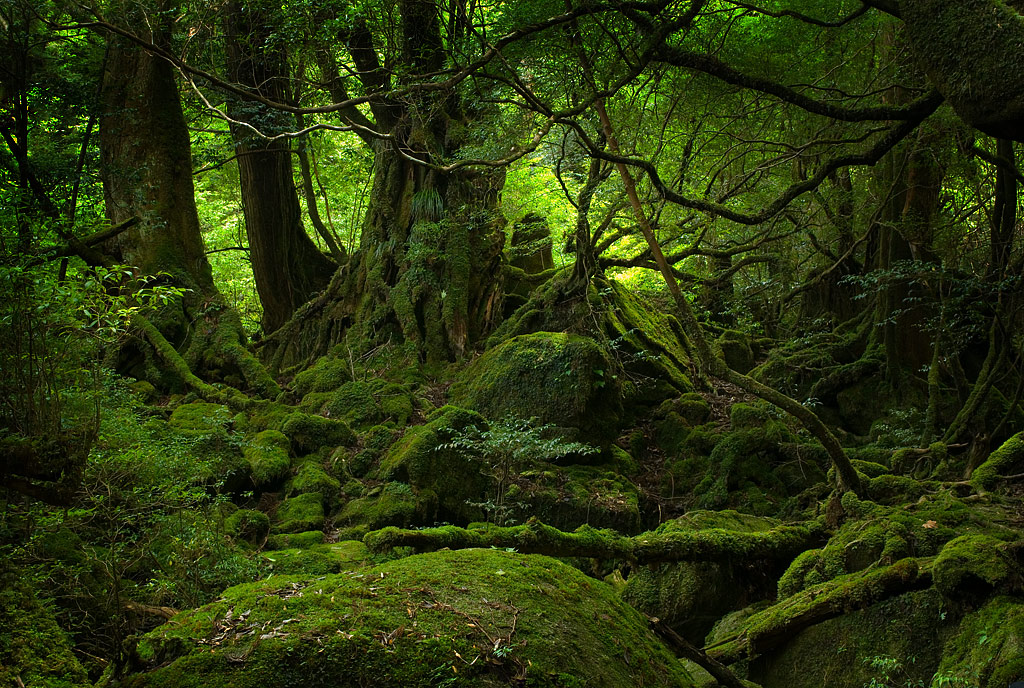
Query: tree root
{"points": [[713, 544]]}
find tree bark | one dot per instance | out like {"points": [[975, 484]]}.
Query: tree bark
{"points": [[287, 266]]}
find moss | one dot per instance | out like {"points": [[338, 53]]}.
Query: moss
{"points": [[249, 525], [1008, 458], [419, 460], [694, 409], [894, 489], [267, 454], [311, 478], [144, 390], [200, 417], [691, 596], [736, 351], [576, 495], [748, 416], [971, 566], [299, 514], [326, 375], [34, 651], [308, 538], [800, 573], [556, 377], [671, 433], [988, 648], [393, 505], [481, 617], [309, 433], [837, 652], [869, 468], [319, 559]]}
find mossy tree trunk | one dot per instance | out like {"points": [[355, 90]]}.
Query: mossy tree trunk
{"points": [[287, 266], [428, 267], [147, 172]]}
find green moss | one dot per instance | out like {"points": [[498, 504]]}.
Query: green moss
{"points": [[299, 514], [988, 649], [308, 538], [249, 525], [419, 460], [1003, 461], [671, 433], [748, 416], [326, 375], [319, 559], [556, 377], [693, 408], [311, 478], [309, 433], [691, 596], [568, 497], [267, 454], [409, 622], [34, 651], [971, 566], [200, 417], [736, 351], [393, 505]]}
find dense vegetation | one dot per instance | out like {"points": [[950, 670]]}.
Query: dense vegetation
{"points": [[527, 342]]}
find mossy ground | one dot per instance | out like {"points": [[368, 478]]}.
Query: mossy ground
{"points": [[472, 617]]}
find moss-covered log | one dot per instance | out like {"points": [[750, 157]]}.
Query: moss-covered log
{"points": [[774, 626], [713, 544]]}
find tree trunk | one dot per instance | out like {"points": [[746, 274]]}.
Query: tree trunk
{"points": [[287, 266], [147, 172]]}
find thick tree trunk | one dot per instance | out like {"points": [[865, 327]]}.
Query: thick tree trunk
{"points": [[287, 266], [147, 172]]}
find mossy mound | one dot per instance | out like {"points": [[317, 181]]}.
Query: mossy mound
{"points": [[568, 497], [34, 651], [988, 648], [309, 538], [1007, 459], [326, 375], [249, 525], [200, 417], [556, 377], [972, 566], [647, 345], [318, 560], [312, 478], [737, 350], [365, 404], [299, 514], [309, 433], [448, 477], [691, 596], [392, 504], [838, 652], [877, 535], [480, 617], [267, 455]]}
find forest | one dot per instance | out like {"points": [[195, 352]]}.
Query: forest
{"points": [[548, 343]]}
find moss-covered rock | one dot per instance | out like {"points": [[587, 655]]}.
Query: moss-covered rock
{"points": [[838, 652], [972, 566], [556, 377], [691, 596], [363, 404], [309, 433], [988, 648], [312, 478], [309, 538], [453, 478], [480, 617], [394, 504], [568, 497], [200, 417], [1009, 458], [748, 416], [326, 375], [317, 560], [299, 514], [248, 524], [34, 651], [737, 351], [267, 455]]}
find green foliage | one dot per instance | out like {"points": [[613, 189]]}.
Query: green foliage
{"points": [[505, 448]]}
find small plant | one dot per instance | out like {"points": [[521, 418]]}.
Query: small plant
{"points": [[893, 673], [505, 448]]}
